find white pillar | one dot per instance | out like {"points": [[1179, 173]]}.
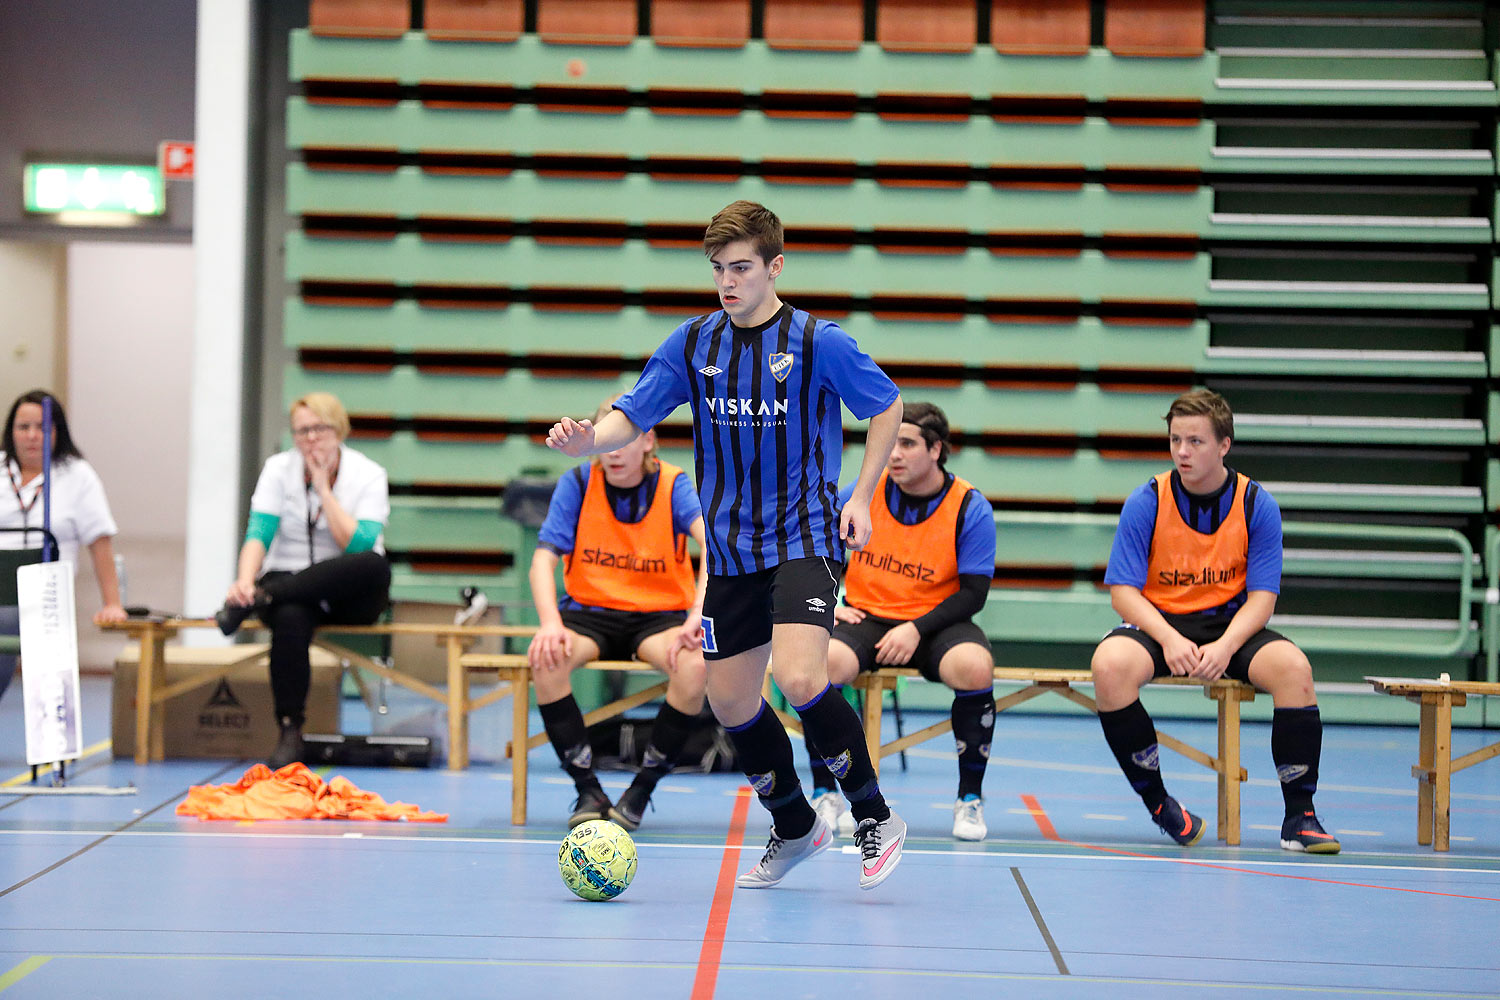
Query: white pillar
{"points": [[221, 154]]}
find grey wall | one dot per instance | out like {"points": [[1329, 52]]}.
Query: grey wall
{"points": [[94, 78]]}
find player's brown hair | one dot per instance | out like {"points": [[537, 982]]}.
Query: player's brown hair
{"points": [[1204, 403], [745, 220], [933, 424]]}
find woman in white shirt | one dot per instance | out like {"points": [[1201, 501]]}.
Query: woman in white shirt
{"points": [[314, 553], [80, 511]]}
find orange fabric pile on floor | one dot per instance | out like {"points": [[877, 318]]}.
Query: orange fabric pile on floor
{"points": [[294, 792]]}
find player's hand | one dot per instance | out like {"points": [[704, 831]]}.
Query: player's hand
{"points": [[241, 594], [109, 613], [1182, 656], [688, 639], [847, 615], [895, 647], [551, 647], [571, 437], [1213, 660], [855, 527]]}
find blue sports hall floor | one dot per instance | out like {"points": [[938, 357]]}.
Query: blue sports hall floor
{"points": [[1074, 894]]}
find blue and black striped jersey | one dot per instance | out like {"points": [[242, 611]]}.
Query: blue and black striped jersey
{"points": [[767, 429]]}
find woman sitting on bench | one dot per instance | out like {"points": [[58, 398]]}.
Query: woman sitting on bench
{"points": [[313, 553]]}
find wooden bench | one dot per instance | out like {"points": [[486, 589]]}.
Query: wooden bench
{"points": [[152, 691], [516, 673], [1036, 682], [1436, 765]]}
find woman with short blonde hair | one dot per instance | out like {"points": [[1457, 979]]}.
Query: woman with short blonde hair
{"points": [[313, 554]]}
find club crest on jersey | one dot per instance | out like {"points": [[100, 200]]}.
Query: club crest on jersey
{"points": [[839, 765], [763, 784], [781, 366]]}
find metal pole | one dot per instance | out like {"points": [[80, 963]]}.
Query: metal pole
{"points": [[48, 550]]}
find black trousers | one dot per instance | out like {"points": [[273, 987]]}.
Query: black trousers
{"points": [[351, 589]]}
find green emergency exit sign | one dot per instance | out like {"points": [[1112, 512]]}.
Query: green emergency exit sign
{"points": [[95, 189]]}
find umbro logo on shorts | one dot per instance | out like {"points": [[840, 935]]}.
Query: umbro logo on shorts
{"points": [[816, 603], [710, 371]]}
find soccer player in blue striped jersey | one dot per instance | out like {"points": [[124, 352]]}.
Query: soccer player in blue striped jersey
{"points": [[765, 383]]}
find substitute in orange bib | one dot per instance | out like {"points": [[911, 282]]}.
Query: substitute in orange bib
{"points": [[910, 598], [1194, 573], [620, 525]]}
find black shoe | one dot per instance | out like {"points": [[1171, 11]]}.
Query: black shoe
{"points": [[632, 806], [230, 617], [289, 749], [1304, 833], [592, 803], [1177, 823]]}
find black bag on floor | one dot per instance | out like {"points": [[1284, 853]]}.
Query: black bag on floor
{"points": [[619, 744]]}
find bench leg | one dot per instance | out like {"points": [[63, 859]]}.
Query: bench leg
{"points": [[1442, 752], [1426, 733], [874, 706], [145, 677], [158, 723], [458, 707], [520, 705], [1229, 771]]}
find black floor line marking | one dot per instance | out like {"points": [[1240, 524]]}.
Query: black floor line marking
{"points": [[95, 843], [1041, 925]]}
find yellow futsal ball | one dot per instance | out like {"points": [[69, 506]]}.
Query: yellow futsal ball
{"points": [[597, 860]]}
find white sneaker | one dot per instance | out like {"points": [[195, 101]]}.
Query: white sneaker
{"points": [[879, 844], [783, 855], [968, 818], [835, 812]]}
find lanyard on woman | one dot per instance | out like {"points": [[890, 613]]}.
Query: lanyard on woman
{"points": [[15, 487], [312, 522]]}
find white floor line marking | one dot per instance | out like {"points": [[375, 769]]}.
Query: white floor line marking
{"points": [[407, 839], [1360, 833], [1201, 776], [1109, 816]]}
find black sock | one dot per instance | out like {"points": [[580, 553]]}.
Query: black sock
{"points": [[668, 734], [765, 753], [1296, 746], [822, 778], [833, 727], [570, 738], [1131, 734], [973, 729]]}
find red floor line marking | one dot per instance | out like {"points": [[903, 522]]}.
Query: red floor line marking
{"points": [[718, 914], [1045, 826]]}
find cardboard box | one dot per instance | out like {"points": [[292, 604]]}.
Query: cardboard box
{"points": [[231, 716]]}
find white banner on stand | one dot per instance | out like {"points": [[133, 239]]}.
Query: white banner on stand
{"points": [[49, 663]]}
